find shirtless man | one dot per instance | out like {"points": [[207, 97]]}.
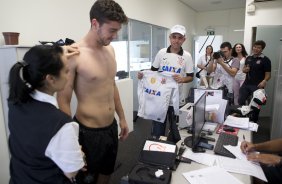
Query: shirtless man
{"points": [[91, 77]]}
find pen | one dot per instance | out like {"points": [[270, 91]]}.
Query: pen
{"points": [[244, 137]]}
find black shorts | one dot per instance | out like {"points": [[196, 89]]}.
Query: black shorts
{"points": [[100, 146]]}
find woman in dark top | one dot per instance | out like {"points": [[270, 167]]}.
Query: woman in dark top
{"points": [[43, 140]]}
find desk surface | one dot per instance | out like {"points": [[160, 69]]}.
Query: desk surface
{"points": [[178, 178]]}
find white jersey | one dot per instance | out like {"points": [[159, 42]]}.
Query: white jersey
{"points": [[175, 63], [155, 92]]}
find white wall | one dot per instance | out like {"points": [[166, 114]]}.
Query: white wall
{"points": [[44, 20], [51, 20], [267, 13], [165, 13], [224, 23]]}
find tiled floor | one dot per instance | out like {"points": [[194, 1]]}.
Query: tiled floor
{"points": [[129, 149]]}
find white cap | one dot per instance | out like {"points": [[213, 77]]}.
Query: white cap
{"points": [[178, 29]]}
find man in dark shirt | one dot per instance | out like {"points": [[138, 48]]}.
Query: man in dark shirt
{"points": [[258, 72]]}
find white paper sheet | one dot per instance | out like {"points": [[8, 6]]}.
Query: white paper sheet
{"points": [[211, 175], [210, 126], [212, 97], [221, 111], [158, 146], [241, 166], [237, 122], [253, 126], [202, 158], [212, 107]]}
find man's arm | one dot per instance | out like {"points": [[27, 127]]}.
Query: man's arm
{"points": [[154, 69], [179, 79], [119, 110], [189, 78], [64, 96], [230, 70], [267, 77], [274, 146]]}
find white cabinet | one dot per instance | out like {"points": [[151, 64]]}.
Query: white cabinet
{"points": [[8, 56]]}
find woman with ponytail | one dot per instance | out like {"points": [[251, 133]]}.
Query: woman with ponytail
{"points": [[43, 140]]}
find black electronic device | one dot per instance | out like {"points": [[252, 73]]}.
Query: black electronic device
{"points": [[218, 54], [225, 139], [208, 138], [205, 145], [183, 159], [181, 149], [197, 124]]}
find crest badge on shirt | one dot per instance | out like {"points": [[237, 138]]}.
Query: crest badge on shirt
{"points": [[258, 62], [181, 61], [163, 81], [153, 80]]}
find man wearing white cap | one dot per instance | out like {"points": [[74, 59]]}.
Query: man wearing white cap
{"points": [[173, 59]]}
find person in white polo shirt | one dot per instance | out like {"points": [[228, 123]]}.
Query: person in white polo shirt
{"points": [[178, 61]]}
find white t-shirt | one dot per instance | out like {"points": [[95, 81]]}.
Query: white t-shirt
{"points": [[155, 92], [222, 77], [240, 74], [203, 60], [175, 63]]}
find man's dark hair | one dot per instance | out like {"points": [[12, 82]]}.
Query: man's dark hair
{"points": [[226, 44], [107, 10], [261, 43]]}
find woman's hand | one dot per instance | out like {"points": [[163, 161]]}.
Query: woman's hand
{"points": [[70, 51]]}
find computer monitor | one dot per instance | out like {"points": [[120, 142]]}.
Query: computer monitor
{"points": [[198, 122]]}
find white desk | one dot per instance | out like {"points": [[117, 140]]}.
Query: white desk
{"points": [[178, 178]]}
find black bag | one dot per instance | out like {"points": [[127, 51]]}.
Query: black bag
{"points": [[198, 73], [146, 174]]}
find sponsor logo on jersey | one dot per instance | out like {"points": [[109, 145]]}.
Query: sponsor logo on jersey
{"points": [[153, 92], [171, 69]]}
